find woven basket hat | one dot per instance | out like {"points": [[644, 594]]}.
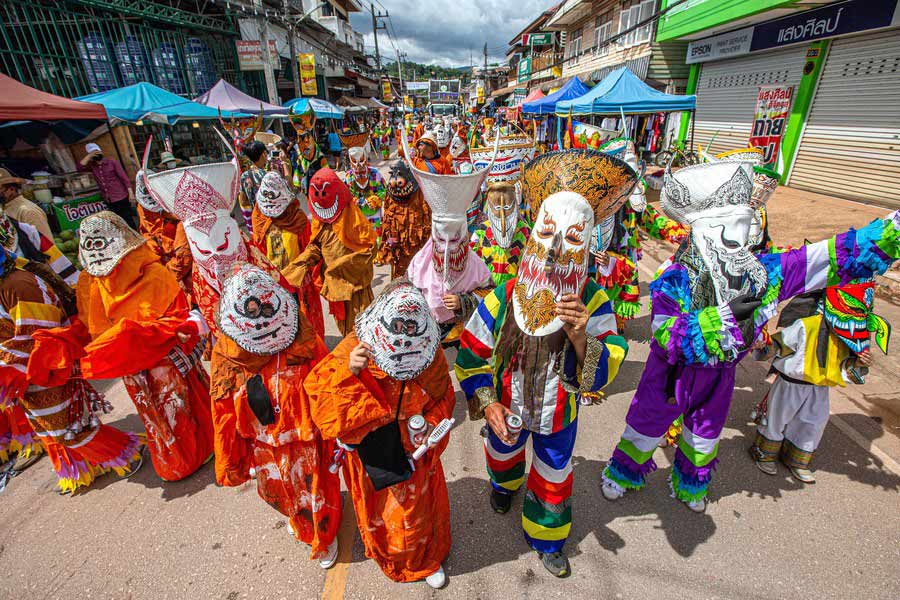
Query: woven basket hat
{"points": [[104, 239], [691, 191]]}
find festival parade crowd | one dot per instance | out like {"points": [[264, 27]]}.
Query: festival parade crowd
{"points": [[526, 262]]}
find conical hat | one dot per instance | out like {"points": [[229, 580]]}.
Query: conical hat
{"points": [[603, 180]]}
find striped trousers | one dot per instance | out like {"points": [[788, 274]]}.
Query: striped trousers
{"points": [[547, 510]]}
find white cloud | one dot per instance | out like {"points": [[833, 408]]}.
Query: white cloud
{"points": [[446, 31]]}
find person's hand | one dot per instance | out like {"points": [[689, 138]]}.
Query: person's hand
{"points": [[602, 258], [495, 415], [451, 302], [760, 345], [743, 306], [864, 358], [573, 313], [373, 202], [359, 358]]}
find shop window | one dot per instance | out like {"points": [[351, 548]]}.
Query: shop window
{"points": [[630, 17], [602, 32], [573, 47]]}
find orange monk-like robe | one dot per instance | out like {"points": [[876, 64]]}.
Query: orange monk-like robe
{"points": [[344, 250], [406, 527], [165, 237], [283, 238], [290, 457], [405, 227], [139, 305], [441, 165]]}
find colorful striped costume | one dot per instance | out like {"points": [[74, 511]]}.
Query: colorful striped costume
{"points": [[503, 262], [550, 420], [375, 186], [695, 350]]}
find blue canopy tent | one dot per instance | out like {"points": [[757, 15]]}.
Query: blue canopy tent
{"points": [[322, 108], [144, 101], [623, 92], [547, 105]]}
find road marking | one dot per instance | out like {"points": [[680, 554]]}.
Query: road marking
{"points": [[336, 577]]}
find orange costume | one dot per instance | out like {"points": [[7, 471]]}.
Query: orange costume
{"points": [[138, 304], [165, 237], [442, 165], [405, 221], [342, 244], [406, 527], [280, 442]]}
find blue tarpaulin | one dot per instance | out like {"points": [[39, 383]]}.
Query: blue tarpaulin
{"points": [[322, 108], [547, 105], [622, 91], [145, 101]]}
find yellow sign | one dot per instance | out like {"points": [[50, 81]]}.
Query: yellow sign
{"points": [[407, 101], [557, 71], [386, 91], [308, 74], [479, 94]]}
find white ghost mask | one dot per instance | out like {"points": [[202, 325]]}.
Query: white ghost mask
{"points": [[401, 331], [143, 196], [554, 263], [216, 244], [274, 195], [450, 246], [257, 313], [502, 207], [104, 239]]}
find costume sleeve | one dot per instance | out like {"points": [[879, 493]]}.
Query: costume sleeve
{"points": [[61, 265], [705, 336], [341, 405], [473, 361], [55, 352], [182, 261], [605, 352], [295, 272], [659, 227]]}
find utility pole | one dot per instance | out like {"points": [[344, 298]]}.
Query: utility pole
{"points": [[487, 81], [375, 27]]}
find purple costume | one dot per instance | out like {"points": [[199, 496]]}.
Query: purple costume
{"points": [[696, 348]]}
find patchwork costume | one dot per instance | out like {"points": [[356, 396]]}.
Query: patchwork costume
{"points": [[365, 182], [514, 350]]}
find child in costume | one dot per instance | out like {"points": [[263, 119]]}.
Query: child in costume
{"points": [[263, 420], [281, 228], [406, 223], [342, 243], [385, 373], [709, 307], [824, 342], [540, 340]]}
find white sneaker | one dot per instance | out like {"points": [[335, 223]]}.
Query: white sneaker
{"points": [[438, 579], [698, 506], [329, 559], [611, 491]]}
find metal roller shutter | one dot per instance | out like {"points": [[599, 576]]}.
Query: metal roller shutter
{"points": [[727, 91], [851, 144]]}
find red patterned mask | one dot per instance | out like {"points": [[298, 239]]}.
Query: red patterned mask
{"points": [[328, 195]]}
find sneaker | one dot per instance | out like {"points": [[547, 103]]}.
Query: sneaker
{"points": [[500, 502], [21, 463], [611, 491], [803, 475], [438, 579], [327, 561], [555, 562], [698, 506], [768, 467]]}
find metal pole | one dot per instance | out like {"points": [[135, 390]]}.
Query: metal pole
{"points": [[268, 70], [292, 50], [375, 35]]}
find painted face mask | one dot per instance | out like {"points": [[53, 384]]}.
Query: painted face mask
{"points": [[714, 199], [401, 185], [441, 135], [401, 331], [638, 198], [758, 225], [848, 312], [304, 124], [241, 130], [9, 236], [359, 164], [328, 195], [255, 312], [104, 239], [449, 248], [554, 263], [457, 146], [502, 211], [603, 234], [274, 195], [142, 194]]}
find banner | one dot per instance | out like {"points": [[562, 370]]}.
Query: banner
{"points": [[69, 214], [590, 136], [416, 86], [250, 55], [773, 105], [386, 92], [308, 85], [524, 71]]}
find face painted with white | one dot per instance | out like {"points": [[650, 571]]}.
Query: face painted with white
{"points": [[401, 331], [450, 244], [259, 315], [216, 245], [554, 263], [104, 239], [274, 195], [502, 211], [142, 194]]}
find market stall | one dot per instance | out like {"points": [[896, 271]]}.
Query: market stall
{"points": [[322, 108], [543, 109], [224, 96]]}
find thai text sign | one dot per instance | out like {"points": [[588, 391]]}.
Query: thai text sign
{"points": [[524, 70], [69, 214], [773, 104], [537, 39], [308, 85], [250, 55]]}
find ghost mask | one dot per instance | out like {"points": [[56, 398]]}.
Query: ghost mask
{"points": [[401, 184], [638, 198], [9, 235], [104, 239], [216, 244], [274, 195], [457, 146], [400, 330], [502, 210], [554, 263], [359, 164], [441, 135], [304, 124], [450, 246], [328, 195], [143, 196], [257, 313]]}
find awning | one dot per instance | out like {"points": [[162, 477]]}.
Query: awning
{"points": [[20, 102], [547, 105], [322, 108], [504, 91], [145, 101], [620, 92], [227, 97]]}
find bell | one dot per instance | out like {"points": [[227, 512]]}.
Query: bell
{"points": [[764, 421], [753, 414], [69, 436], [77, 427], [95, 422]]}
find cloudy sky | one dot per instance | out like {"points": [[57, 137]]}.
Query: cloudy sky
{"points": [[445, 31]]}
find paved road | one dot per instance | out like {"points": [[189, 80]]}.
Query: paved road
{"points": [[762, 537]]}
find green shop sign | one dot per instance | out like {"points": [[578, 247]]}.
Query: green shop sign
{"points": [[69, 214], [524, 69]]}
